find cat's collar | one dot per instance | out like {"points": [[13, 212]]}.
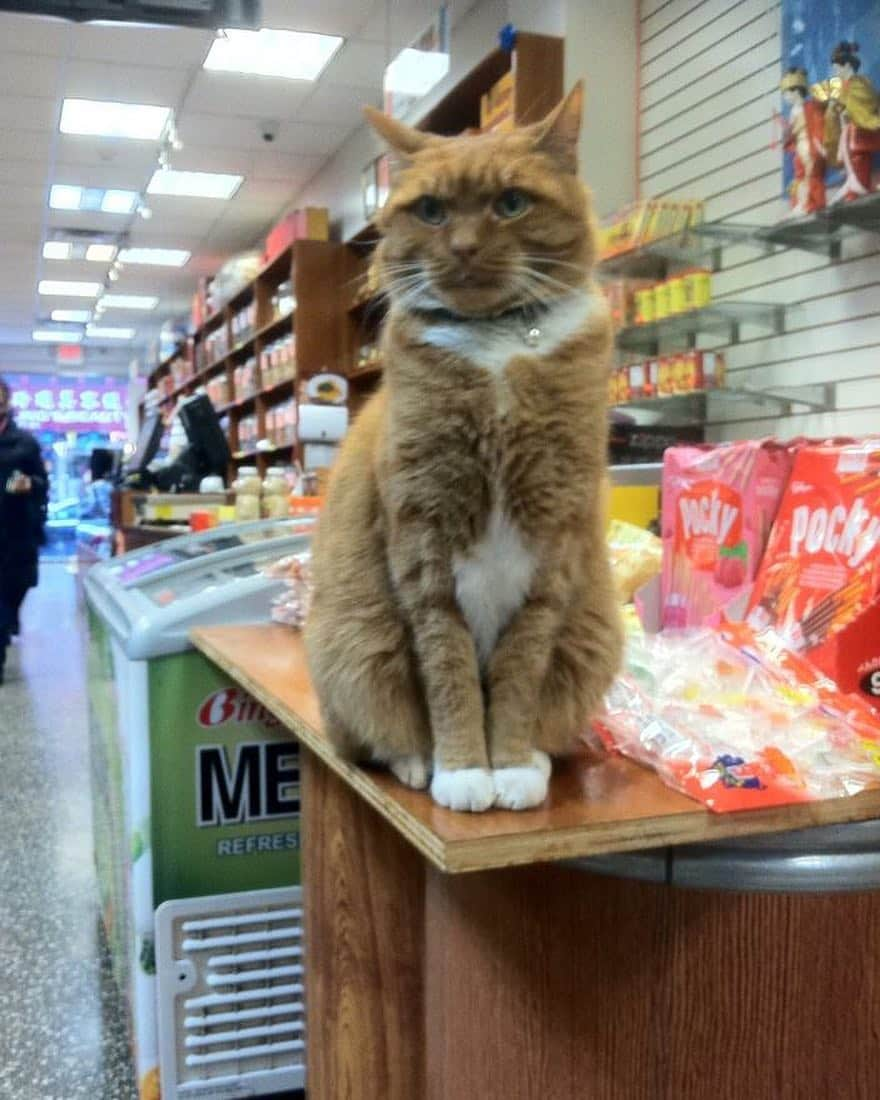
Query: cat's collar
{"points": [[527, 317]]}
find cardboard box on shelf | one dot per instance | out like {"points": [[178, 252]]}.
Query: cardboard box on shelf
{"points": [[497, 105], [310, 224]]}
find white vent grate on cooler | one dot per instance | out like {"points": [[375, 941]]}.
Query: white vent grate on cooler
{"points": [[231, 1000]]}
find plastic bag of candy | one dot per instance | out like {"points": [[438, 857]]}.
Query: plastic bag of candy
{"points": [[721, 722], [292, 605]]}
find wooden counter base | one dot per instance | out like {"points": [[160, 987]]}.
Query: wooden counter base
{"points": [[547, 983]]}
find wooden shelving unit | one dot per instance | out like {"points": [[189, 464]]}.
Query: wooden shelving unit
{"points": [[313, 268], [537, 66]]}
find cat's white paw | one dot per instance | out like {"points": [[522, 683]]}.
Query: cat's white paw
{"points": [[520, 788], [469, 789], [412, 771], [542, 762]]}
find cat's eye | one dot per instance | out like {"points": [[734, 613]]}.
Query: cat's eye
{"points": [[511, 203], [430, 210]]}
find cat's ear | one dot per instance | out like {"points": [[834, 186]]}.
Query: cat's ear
{"points": [[558, 133], [402, 139]]}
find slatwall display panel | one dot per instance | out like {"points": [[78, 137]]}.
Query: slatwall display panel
{"points": [[709, 87]]}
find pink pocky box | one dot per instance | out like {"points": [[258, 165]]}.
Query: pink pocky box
{"points": [[719, 502]]}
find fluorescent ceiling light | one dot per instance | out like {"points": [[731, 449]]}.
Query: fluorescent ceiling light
{"points": [[119, 202], [56, 335], [64, 197], [160, 257], [129, 301], [101, 253], [71, 316], [96, 332], [296, 55], [102, 118], [57, 250], [415, 72], [197, 185], [62, 289]]}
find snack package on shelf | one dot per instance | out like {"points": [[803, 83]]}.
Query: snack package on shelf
{"points": [[636, 556], [718, 506], [291, 607], [818, 589], [724, 724]]}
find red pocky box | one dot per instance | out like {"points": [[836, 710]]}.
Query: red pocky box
{"points": [[718, 506], [821, 571]]}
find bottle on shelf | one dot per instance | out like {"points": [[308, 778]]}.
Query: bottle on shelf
{"points": [[275, 493], [247, 488]]}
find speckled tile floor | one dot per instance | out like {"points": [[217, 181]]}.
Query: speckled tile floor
{"points": [[61, 1030]]}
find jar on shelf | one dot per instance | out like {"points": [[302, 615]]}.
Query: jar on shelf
{"points": [[247, 487], [275, 493]]}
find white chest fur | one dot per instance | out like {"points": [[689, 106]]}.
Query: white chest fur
{"points": [[492, 581], [492, 343]]}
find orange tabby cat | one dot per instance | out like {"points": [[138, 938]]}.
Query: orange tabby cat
{"points": [[464, 621]]}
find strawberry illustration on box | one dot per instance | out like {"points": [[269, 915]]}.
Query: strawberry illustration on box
{"points": [[718, 506], [818, 589]]}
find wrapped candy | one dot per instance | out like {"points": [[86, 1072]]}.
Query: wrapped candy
{"points": [[291, 607], [722, 721]]}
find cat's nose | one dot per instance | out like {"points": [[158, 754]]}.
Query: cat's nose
{"points": [[464, 246]]}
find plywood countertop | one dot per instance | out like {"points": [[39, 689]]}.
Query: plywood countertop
{"points": [[596, 805]]}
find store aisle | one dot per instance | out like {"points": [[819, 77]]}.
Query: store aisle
{"points": [[61, 1032]]}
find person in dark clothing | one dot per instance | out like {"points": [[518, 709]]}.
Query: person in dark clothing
{"points": [[24, 493]]}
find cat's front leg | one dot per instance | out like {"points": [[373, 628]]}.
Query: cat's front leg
{"points": [[447, 660], [517, 670]]}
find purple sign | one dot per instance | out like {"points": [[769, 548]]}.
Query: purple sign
{"points": [[45, 402], [144, 566]]}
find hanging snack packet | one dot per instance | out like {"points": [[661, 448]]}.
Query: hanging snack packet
{"points": [[718, 505], [821, 572]]}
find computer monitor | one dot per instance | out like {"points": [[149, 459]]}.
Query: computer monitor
{"points": [[147, 445], [207, 441]]}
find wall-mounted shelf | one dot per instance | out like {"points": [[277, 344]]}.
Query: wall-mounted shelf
{"points": [[719, 317], [655, 259], [680, 409], [314, 270]]}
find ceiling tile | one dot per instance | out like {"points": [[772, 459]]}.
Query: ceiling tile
{"points": [[258, 97], [28, 113], [29, 74], [323, 16], [111, 153], [173, 48], [30, 173], [271, 164], [359, 63], [126, 83], [242, 133], [337, 106], [18, 144], [33, 34], [117, 173]]}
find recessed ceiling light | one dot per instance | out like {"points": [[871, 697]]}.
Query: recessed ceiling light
{"points": [[101, 253], [57, 250], [415, 72], [64, 196], [71, 316], [97, 332], [56, 335], [129, 301], [161, 257], [296, 55], [197, 185], [119, 202], [62, 289], [102, 118]]}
